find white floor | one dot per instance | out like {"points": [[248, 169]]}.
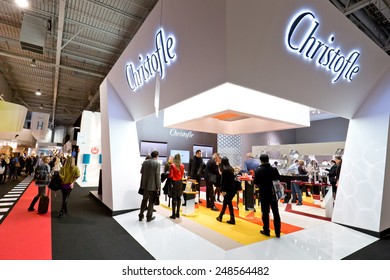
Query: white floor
{"points": [[167, 239]]}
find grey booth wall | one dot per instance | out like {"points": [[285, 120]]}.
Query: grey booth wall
{"points": [[330, 130], [151, 129]]}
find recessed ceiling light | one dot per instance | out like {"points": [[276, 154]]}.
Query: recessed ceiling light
{"points": [[22, 3], [38, 92]]}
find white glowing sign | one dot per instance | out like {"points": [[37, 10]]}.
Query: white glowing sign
{"points": [[151, 64], [302, 39]]}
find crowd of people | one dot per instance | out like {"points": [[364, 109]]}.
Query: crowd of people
{"points": [[221, 180], [58, 167]]}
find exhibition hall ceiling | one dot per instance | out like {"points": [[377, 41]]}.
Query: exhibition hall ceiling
{"points": [[65, 48]]}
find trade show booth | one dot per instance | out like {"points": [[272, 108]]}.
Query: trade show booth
{"points": [[239, 69]]}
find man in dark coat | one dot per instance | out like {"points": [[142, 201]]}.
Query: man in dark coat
{"points": [[212, 179], [265, 174], [197, 167], [150, 185]]}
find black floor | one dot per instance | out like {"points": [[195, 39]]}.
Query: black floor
{"points": [[89, 232], [379, 250]]}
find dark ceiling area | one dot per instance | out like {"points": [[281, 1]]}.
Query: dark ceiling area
{"points": [[65, 48]]}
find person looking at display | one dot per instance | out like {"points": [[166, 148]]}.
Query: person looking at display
{"points": [[301, 168], [168, 181], [250, 163], [332, 172], [296, 192], [339, 161], [227, 189], [197, 167], [264, 176], [212, 178], [293, 169], [176, 173]]}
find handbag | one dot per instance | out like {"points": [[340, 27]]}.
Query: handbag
{"points": [[277, 190], [55, 182], [163, 177], [213, 178]]}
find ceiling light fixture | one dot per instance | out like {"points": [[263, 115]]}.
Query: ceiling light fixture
{"points": [[41, 107], [33, 63], [22, 3], [38, 92]]}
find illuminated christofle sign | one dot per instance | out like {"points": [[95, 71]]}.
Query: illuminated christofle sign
{"points": [[302, 39], [153, 63]]}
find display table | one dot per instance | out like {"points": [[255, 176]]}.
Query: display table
{"points": [[189, 185], [287, 179], [189, 197], [249, 192]]}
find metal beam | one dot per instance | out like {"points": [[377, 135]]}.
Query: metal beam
{"points": [[75, 69], [140, 20], [356, 6]]}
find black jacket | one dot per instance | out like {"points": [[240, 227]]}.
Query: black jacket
{"points": [[264, 175], [196, 167], [227, 180], [332, 173]]}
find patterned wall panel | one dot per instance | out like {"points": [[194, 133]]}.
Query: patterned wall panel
{"points": [[231, 147]]}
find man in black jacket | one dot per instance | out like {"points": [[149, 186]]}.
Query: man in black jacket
{"points": [[197, 167], [264, 175], [212, 179]]}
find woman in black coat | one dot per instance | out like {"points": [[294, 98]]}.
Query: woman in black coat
{"points": [[227, 190], [332, 176]]}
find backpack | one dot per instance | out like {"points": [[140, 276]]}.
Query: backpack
{"points": [[41, 175]]}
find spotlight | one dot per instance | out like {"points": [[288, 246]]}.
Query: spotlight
{"points": [[41, 107], [38, 92], [22, 3]]}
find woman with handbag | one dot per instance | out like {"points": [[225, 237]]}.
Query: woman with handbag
{"points": [[55, 182], [69, 174], [228, 190], [176, 174]]}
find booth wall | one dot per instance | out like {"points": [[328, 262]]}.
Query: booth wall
{"points": [[151, 129]]}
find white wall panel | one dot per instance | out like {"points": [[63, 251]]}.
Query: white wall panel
{"points": [[365, 181], [121, 157]]}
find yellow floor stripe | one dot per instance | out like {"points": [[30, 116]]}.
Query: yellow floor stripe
{"points": [[243, 232]]}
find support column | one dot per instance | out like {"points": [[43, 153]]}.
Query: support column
{"points": [[364, 187], [121, 163]]}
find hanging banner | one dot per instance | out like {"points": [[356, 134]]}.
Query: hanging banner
{"points": [[39, 125], [12, 116]]}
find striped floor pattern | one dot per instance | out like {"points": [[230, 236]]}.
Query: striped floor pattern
{"points": [[9, 200]]}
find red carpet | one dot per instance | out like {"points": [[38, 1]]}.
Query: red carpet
{"points": [[26, 235]]}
